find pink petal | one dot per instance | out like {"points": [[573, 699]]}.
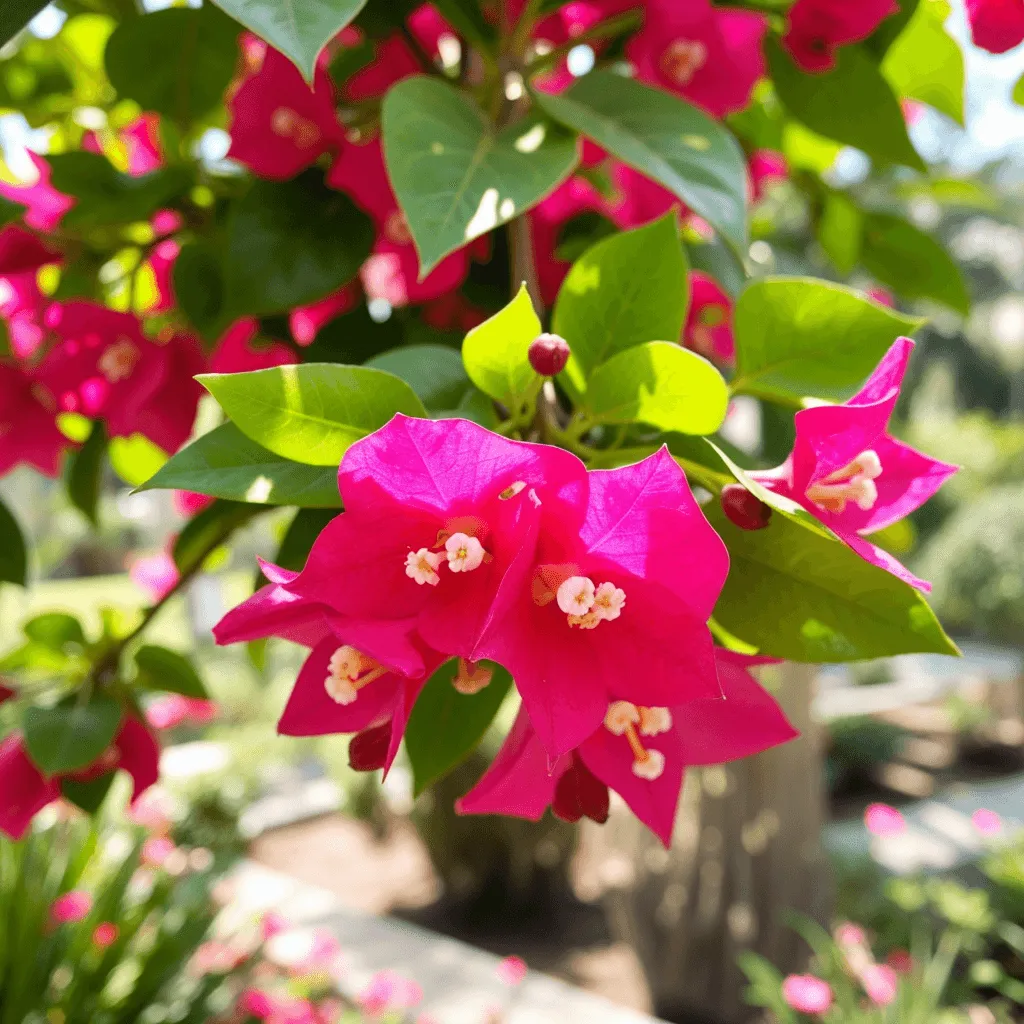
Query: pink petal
{"points": [[23, 790], [139, 754]]}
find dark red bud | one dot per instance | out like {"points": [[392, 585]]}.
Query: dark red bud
{"points": [[578, 794], [368, 750], [6, 693], [548, 354], [744, 509]]}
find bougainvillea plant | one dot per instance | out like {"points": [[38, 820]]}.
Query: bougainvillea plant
{"points": [[475, 285]]}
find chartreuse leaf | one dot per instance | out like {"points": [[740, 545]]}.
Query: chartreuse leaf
{"points": [[13, 558], [311, 413], [135, 459], [72, 734], [852, 103], [798, 336], [446, 726], [926, 64], [665, 138], [1018, 92], [55, 630], [300, 29], [84, 472], [168, 671], [496, 357], [660, 384], [176, 62], [628, 289], [15, 15], [455, 176], [290, 243], [911, 262], [226, 464], [434, 372]]}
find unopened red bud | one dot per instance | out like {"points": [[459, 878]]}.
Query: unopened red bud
{"points": [[579, 794], [744, 509], [548, 354], [368, 750]]}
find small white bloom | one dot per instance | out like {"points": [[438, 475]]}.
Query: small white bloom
{"points": [[512, 490], [649, 767], [576, 595], [869, 464], [465, 553], [346, 663], [609, 602], [864, 492], [421, 566], [654, 721], [340, 690], [620, 716]]}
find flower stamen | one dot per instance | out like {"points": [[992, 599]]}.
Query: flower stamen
{"points": [[471, 677], [349, 670], [622, 718], [422, 566], [855, 482], [465, 553]]}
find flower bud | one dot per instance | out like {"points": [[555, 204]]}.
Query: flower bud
{"points": [[368, 750], [548, 354], [743, 509], [579, 794]]}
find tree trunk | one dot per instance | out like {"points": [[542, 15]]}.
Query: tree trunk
{"points": [[746, 850]]}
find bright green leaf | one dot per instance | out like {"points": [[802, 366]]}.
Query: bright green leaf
{"points": [[84, 472], [926, 64], [446, 726], [176, 62], [72, 735], [290, 243], [13, 557], [1018, 92], [311, 413], [55, 630], [912, 263], [300, 29], [434, 372], [455, 177], [797, 337], [135, 459], [168, 671], [665, 138], [852, 103], [628, 289], [660, 384], [226, 464], [496, 354]]}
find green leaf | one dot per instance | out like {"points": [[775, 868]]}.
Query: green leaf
{"points": [[852, 103], [455, 177], [300, 29], [290, 243], [665, 138], [55, 630], [13, 557], [475, 406], [799, 336], [311, 413], [467, 18], [1018, 92], [15, 15], [226, 464], [84, 472], [72, 735], [912, 263], [660, 384], [209, 529], [199, 287], [176, 62], [840, 229], [106, 196], [10, 211], [925, 64], [434, 372], [307, 525], [628, 289], [496, 354], [446, 726], [168, 671], [135, 459], [88, 796]]}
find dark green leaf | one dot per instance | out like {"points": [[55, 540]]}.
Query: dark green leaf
{"points": [[799, 336], [168, 671], [455, 177], [176, 62], [467, 18], [226, 464], [434, 372], [627, 290], [10, 211], [475, 406], [852, 103], [300, 29], [13, 557], [665, 138], [208, 530], [912, 263], [307, 525], [84, 472], [88, 796], [446, 726], [290, 243], [55, 630], [199, 287], [311, 413], [15, 15], [889, 31], [72, 735], [719, 262]]}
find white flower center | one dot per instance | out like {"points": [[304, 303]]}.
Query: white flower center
{"points": [[576, 595], [465, 553], [682, 59], [622, 718], [349, 670], [584, 602], [118, 361], [855, 482], [655, 721], [651, 766], [422, 566], [608, 602]]}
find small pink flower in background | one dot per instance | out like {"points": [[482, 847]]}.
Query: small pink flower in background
{"points": [[884, 821], [273, 923], [708, 329], [900, 961], [512, 971], [157, 574], [172, 710], [882, 296], [238, 351], [389, 991], [105, 934], [817, 28], [215, 957], [156, 850], [807, 994], [256, 1002], [45, 206], [28, 424], [988, 823], [71, 907], [154, 810], [996, 25], [881, 983], [912, 111], [765, 167], [850, 935], [305, 322], [188, 503]]}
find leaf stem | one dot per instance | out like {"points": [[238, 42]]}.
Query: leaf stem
{"points": [[609, 29]]}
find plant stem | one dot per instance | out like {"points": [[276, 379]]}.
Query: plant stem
{"points": [[616, 26]]}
